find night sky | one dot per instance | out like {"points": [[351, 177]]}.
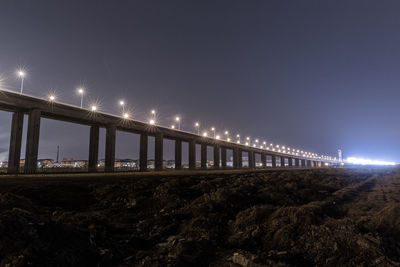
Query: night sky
{"points": [[314, 75]]}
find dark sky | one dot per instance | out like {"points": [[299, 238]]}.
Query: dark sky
{"points": [[316, 75]]}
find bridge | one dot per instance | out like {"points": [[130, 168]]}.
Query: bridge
{"points": [[37, 108]]}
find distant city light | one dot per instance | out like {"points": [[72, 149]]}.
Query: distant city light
{"points": [[361, 161]]}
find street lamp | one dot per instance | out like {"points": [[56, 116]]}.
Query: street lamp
{"points": [[21, 73], [205, 134], [172, 126], [213, 129], [93, 108], [197, 125], [238, 138], [81, 91], [126, 116], [52, 98], [152, 122], [178, 120], [122, 104]]}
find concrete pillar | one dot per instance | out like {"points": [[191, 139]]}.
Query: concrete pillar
{"points": [[14, 153], [290, 160], [296, 162], [263, 160], [223, 157], [144, 141], [158, 152], [192, 154], [216, 157], [235, 157], [93, 148], [111, 131], [32, 141], [273, 159], [178, 154], [204, 156], [308, 163], [240, 158], [303, 163], [282, 161], [251, 160]]}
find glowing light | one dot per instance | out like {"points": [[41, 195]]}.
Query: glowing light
{"points": [[153, 111], [217, 137], [247, 138], [212, 128], [172, 126], [93, 108], [177, 119], [81, 91], [238, 142], [21, 73], [197, 124], [152, 122], [261, 147], [361, 161], [226, 132], [228, 139], [126, 116], [52, 98], [238, 135], [256, 140], [247, 143], [121, 103], [205, 134]]}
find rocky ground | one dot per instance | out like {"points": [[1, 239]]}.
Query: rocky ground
{"points": [[324, 217]]}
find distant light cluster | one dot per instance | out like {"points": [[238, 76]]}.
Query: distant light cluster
{"points": [[361, 161]]}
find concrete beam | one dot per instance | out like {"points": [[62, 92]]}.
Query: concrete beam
{"points": [[204, 156], [110, 148], [93, 148], [192, 154], [158, 152], [178, 154], [144, 141], [14, 154], [223, 157], [216, 157], [263, 160], [32, 141]]}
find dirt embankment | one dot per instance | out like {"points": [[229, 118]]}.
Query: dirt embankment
{"points": [[328, 217]]}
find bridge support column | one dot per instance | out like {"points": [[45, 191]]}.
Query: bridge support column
{"points": [[290, 160], [14, 154], [303, 162], [235, 158], [144, 141], [282, 161], [273, 159], [93, 148], [192, 154], [178, 154], [110, 148], [223, 157], [308, 162], [204, 156], [251, 159], [240, 158], [216, 157], [158, 152], [263, 160], [32, 141], [296, 162]]}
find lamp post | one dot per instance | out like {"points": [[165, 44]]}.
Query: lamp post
{"points": [[21, 74], [178, 120], [122, 104], [81, 92], [197, 125], [213, 129]]}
